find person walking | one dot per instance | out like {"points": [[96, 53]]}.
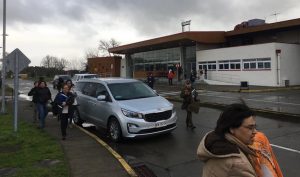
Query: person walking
{"points": [[187, 95], [33, 93], [205, 73], [74, 105], [43, 96], [193, 77], [170, 77], [65, 99], [225, 151], [150, 80]]}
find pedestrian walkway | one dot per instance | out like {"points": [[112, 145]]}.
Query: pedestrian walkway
{"points": [[86, 157]]}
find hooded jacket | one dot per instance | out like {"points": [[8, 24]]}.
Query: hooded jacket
{"points": [[223, 157]]}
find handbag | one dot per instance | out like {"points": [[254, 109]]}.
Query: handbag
{"points": [[194, 107], [49, 106]]}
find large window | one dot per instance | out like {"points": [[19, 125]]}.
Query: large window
{"points": [[257, 63], [224, 65], [229, 65], [235, 64], [264, 63], [209, 65], [157, 60]]}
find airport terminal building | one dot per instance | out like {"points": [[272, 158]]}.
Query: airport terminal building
{"points": [[257, 52]]}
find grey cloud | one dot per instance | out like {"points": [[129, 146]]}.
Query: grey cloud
{"points": [[40, 11], [148, 17]]}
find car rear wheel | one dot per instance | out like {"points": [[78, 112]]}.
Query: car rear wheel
{"points": [[76, 118], [114, 130]]}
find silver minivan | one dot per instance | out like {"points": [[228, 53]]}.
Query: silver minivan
{"points": [[125, 107]]}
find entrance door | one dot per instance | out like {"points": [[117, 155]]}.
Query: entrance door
{"points": [[188, 67]]}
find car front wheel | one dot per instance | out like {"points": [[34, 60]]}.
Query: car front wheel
{"points": [[114, 130]]}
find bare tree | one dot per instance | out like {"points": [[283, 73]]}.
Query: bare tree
{"points": [[61, 64], [54, 62], [76, 64], [48, 61], [105, 45], [91, 52]]}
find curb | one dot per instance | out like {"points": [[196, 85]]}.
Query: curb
{"points": [[122, 161]]}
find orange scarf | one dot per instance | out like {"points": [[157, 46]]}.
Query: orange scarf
{"points": [[268, 165]]}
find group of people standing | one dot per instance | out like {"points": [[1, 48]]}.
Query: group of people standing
{"points": [[64, 99]]}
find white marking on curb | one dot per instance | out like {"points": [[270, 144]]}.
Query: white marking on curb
{"points": [[285, 148]]}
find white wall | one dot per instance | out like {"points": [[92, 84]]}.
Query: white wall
{"points": [[290, 53], [289, 63]]}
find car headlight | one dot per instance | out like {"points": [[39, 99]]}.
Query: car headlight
{"points": [[132, 114], [173, 110]]}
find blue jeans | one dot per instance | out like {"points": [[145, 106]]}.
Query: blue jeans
{"points": [[43, 111]]}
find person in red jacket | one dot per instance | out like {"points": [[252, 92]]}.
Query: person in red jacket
{"points": [[170, 77]]}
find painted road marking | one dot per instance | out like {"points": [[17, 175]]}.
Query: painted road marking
{"points": [[284, 148], [125, 165]]}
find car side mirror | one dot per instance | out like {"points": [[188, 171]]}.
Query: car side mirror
{"points": [[101, 98]]}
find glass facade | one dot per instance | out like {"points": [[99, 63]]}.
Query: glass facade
{"points": [[158, 60]]}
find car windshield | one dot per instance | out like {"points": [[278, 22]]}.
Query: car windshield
{"points": [[130, 90]]}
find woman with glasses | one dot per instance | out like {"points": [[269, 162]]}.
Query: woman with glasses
{"points": [[225, 150]]}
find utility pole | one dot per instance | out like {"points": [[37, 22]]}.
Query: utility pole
{"points": [[3, 111]]}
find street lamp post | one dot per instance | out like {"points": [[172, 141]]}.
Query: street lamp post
{"points": [[3, 58]]}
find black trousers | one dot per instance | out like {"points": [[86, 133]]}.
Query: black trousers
{"points": [[170, 81], [189, 121], [71, 112], [64, 124]]}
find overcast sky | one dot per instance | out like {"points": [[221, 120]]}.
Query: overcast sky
{"points": [[68, 28]]}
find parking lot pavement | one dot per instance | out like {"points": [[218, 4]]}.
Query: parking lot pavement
{"points": [[273, 100]]}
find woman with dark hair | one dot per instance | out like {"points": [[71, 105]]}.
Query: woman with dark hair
{"points": [[72, 107], [33, 93], [225, 150], [43, 96]]}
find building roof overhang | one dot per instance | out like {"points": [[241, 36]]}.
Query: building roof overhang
{"points": [[265, 27], [176, 40]]}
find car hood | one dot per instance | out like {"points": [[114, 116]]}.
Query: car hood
{"points": [[146, 105]]}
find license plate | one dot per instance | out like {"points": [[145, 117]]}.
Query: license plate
{"points": [[160, 124]]}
